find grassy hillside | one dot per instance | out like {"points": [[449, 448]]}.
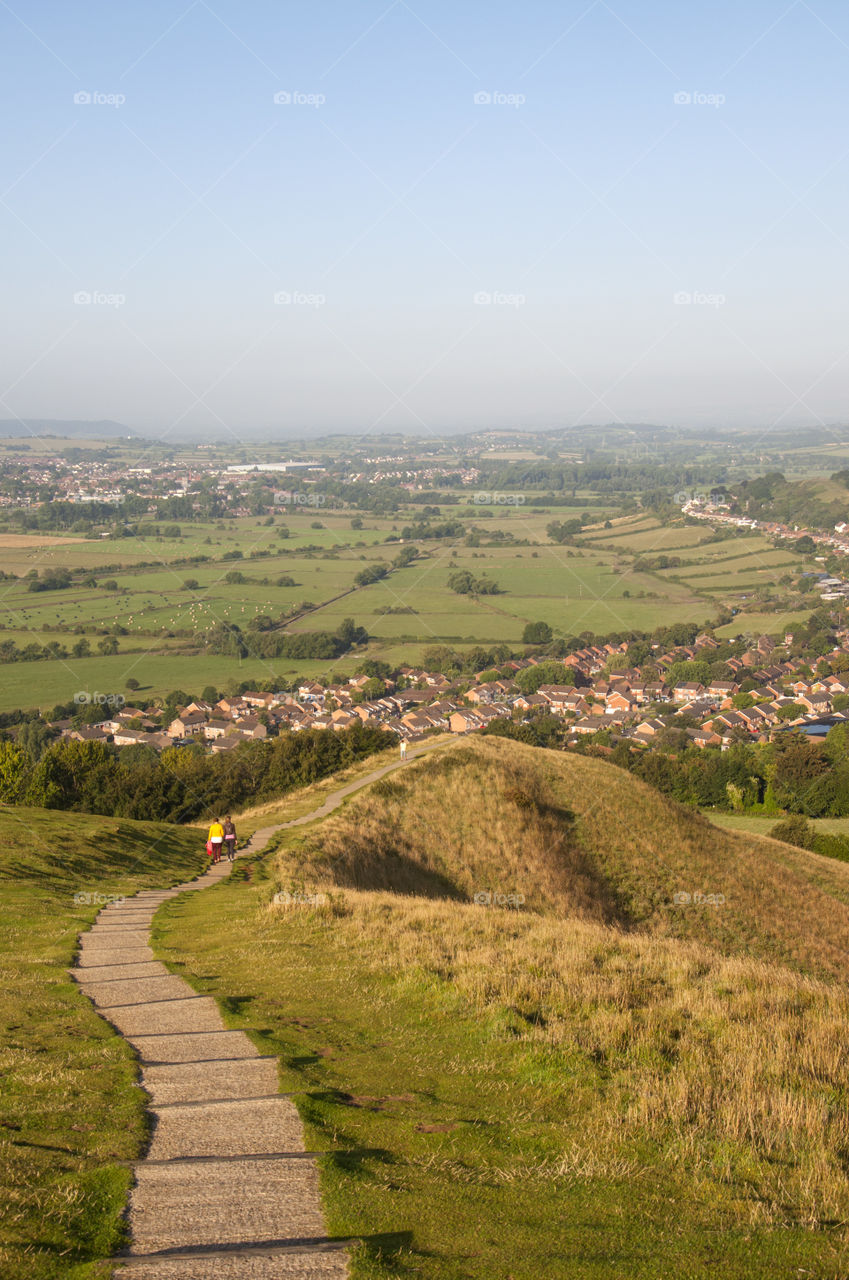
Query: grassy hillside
{"points": [[597, 1084], [576, 835], [70, 1110]]}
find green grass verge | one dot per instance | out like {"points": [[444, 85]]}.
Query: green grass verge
{"points": [[70, 1109]]}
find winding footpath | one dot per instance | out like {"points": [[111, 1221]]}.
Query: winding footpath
{"points": [[226, 1190]]}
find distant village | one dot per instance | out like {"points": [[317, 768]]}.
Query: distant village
{"points": [[621, 702]]}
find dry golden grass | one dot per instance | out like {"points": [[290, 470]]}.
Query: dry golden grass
{"points": [[709, 1038], [578, 836], [735, 1070], [462, 824]]}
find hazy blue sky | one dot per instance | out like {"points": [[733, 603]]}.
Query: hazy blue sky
{"points": [[652, 196]]}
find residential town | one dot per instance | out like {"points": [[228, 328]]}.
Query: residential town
{"points": [[777, 691]]}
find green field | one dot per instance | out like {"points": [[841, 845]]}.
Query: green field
{"points": [[590, 587], [758, 825]]}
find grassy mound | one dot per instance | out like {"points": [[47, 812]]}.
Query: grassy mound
{"points": [[525, 1099], [461, 823], [70, 1108], [578, 836]]}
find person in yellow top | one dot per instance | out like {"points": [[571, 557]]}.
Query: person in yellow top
{"points": [[216, 839]]}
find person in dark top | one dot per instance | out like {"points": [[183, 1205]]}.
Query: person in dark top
{"points": [[230, 838]]}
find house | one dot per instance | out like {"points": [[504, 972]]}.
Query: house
{"points": [[647, 730], [311, 692], [464, 721], [482, 693], [723, 688], [688, 691], [256, 699], [703, 737], [229, 707], [418, 722], [817, 703], [531, 702], [88, 733], [216, 729], [188, 724], [591, 724], [252, 727], [617, 701]]}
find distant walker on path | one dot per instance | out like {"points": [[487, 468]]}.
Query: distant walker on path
{"points": [[230, 837], [403, 748], [216, 839]]}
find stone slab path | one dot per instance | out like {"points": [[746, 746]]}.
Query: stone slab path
{"points": [[226, 1190]]}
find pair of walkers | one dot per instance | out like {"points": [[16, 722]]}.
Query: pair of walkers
{"points": [[222, 839]]}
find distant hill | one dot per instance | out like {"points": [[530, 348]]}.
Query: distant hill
{"points": [[816, 503], [579, 837], [65, 428]]}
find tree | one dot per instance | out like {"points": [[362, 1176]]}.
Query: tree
{"points": [[14, 770], [210, 694], [537, 633], [132, 684], [530, 679], [107, 646], [464, 583], [350, 634], [794, 829]]}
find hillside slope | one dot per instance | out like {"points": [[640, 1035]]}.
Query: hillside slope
{"points": [[577, 836], [72, 1114]]}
